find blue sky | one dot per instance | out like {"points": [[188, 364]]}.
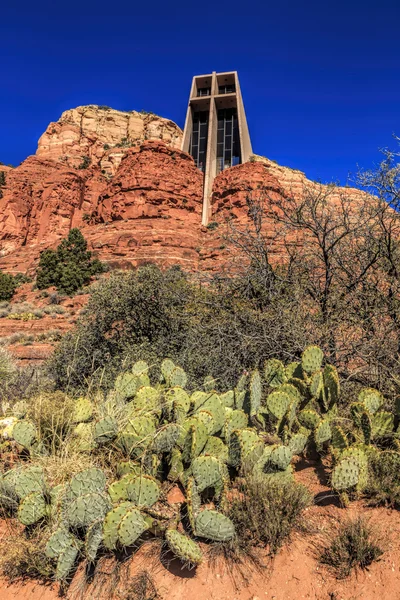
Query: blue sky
{"points": [[320, 80]]}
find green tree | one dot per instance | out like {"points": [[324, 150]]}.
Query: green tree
{"points": [[8, 285], [69, 267]]}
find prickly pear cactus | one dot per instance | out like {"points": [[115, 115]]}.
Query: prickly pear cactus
{"points": [[309, 418], [298, 443], [228, 399], [339, 439], [178, 377], [93, 540], [366, 427], [112, 522], [382, 424], [86, 509], [27, 481], [274, 372], [234, 419], [216, 447], [32, 509], [66, 562], [215, 526], [165, 438], [372, 399], [255, 392], [83, 410], [58, 541], [280, 457], [345, 475], [131, 527], [209, 384], [311, 359], [183, 547], [278, 403], [206, 472], [140, 368], [143, 490], [167, 366], [331, 384], [20, 409], [24, 433], [105, 430], [322, 433], [86, 482]]}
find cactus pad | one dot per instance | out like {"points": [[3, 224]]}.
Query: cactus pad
{"points": [[382, 423], [86, 482], [215, 526], [24, 433], [167, 366], [331, 384], [228, 399], [86, 509], [339, 438], [280, 457], [82, 411], [131, 527], [112, 522], [216, 447], [28, 480], [32, 509], [297, 443], [311, 359], [278, 403], [309, 418], [345, 475], [206, 472], [66, 562], [143, 490], [322, 432], [58, 541], [274, 372], [140, 368], [165, 438], [255, 392], [234, 419], [105, 430], [183, 547], [93, 540], [372, 399], [178, 377]]}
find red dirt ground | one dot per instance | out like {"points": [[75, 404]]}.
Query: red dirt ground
{"points": [[294, 574]]}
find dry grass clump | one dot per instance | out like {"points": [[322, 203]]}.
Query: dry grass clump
{"points": [[265, 512], [52, 415], [355, 545], [141, 587], [23, 557]]}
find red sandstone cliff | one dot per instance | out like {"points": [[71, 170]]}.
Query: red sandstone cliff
{"points": [[135, 196]]}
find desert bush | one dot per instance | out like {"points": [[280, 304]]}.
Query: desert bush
{"points": [[355, 545], [8, 285], [384, 479], [69, 267], [54, 309], [24, 558], [150, 314], [266, 511], [7, 366]]}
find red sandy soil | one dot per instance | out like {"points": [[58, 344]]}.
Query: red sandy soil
{"points": [[293, 575]]}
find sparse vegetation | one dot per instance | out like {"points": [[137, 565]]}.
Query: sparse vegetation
{"points": [[356, 545], [68, 268], [86, 162]]}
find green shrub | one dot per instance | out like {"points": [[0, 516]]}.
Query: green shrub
{"points": [[70, 267], [8, 285], [265, 512], [355, 545], [151, 314], [86, 162], [384, 479]]}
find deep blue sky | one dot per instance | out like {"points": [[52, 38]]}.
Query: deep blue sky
{"points": [[320, 79]]}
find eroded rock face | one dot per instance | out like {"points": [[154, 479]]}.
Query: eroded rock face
{"points": [[102, 135], [137, 197]]}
